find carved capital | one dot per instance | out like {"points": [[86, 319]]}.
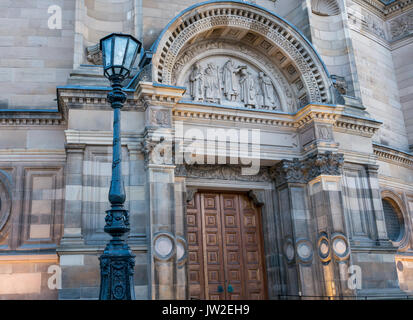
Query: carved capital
{"points": [[303, 171], [324, 164], [157, 150], [289, 171]]}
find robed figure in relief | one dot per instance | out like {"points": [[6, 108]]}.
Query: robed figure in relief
{"points": [[196, 80], [229, 80]]}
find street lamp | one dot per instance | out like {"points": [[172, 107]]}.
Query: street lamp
{"points": [[117, 261]]}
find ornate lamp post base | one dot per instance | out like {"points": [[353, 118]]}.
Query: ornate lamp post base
{"points": [[117, 261], [116, 266]]}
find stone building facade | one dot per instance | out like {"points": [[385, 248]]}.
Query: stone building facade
{"points": [[266, 148]]}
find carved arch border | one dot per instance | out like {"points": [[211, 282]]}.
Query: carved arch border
{"points": [[231, 13], [398, 202]]}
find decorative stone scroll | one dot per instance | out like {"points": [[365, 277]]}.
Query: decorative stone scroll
{"points": [[303, 171]]}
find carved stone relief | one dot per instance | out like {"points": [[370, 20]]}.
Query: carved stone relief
{"points": [[229, 172], [94, 54], [160, 118], [232, 75], [401, 26]]}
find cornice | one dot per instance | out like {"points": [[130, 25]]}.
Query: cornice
{"points": [[360, 126], [386, 11], [39, 117], [394, 156], [321, 113], [148, 93]]}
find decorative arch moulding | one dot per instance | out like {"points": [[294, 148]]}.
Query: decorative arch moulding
{"points": [[300, 74]]}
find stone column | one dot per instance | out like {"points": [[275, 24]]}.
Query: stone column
{"points": [[332, 247], [313, 231], [297, 230], [72, 232], [377, 209], [164, 223]]}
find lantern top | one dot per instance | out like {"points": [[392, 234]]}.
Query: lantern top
{"points": [[119, 52]]}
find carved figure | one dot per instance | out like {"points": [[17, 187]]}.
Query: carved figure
{"points": [[269, 99], [196, 81], [229, 80], [248, 91], [212, 92]]}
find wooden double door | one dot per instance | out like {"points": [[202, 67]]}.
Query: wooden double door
{"points": [[225, 250]]}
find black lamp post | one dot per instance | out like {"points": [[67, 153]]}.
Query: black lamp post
{"points": [[117, 261]]}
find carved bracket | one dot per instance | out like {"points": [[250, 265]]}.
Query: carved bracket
{"points": [[257, 197]]}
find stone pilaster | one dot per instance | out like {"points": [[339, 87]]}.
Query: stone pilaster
{"points": [[165, 224], [313, 231], [296, 230], [72, 232]]}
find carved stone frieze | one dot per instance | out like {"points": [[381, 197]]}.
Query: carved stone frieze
{"points": [[303, 171], [402, 26], [222, 172]]}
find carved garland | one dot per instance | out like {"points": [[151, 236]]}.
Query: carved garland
{"points": [[242, 18]]}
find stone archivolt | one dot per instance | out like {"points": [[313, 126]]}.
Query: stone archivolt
{"points": [[242, 19]]}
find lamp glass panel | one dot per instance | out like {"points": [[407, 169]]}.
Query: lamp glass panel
{"points": [[107, 49], [119, 50], [130, 54]]}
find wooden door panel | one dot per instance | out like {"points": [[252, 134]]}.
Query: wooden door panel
{"points": [[232, 246], [224, 248], [212, 235], [252, 250], [195, 251]]}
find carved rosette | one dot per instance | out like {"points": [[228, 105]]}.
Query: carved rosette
{"points": [[303, 171]]}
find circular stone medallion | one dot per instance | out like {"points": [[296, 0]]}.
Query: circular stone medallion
{"points": [[163, 246]]}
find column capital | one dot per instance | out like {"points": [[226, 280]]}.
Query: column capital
{"points": [[305, 170]]}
